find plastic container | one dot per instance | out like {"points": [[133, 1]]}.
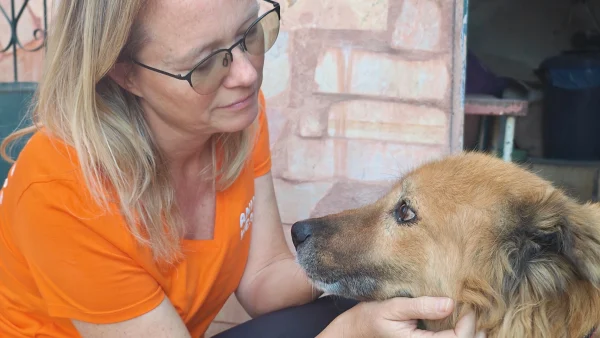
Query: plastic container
{"points": [[571, 119]]}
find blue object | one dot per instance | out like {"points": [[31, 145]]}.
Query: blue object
{"points": [[571, 119], [573, 71]]}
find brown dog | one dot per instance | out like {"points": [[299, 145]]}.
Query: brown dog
{"points": [[493, 236]]}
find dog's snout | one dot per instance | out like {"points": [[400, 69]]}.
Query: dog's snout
{"points": [[301, 231]]}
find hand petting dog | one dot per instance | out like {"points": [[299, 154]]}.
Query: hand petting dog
{"points": [[397, 317]]}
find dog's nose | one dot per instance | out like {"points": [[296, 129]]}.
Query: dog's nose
{"points": [[301, 231]]}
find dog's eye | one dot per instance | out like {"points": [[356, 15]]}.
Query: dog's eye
{"points": [[404, 213]]}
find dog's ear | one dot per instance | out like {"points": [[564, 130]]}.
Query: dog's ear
{"points": [[552, 242]]}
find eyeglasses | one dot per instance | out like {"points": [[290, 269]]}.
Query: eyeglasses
{"points": [[206, 77]]}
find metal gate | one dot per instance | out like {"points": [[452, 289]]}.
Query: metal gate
{"points": [[15, 96]]}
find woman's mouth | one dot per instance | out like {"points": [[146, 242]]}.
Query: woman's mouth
{"points": [[242, 103]]}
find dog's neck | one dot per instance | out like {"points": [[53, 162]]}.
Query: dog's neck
{"points": [[446, 324], [576, 314]]}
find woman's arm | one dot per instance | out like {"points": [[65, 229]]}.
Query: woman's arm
{"points": [[162, 321], [80, 271], [272, 280]]}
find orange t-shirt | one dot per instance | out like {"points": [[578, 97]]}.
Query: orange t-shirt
{"points": [[61, 257]]}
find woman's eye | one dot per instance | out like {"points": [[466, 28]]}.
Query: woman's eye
{"points": [[404, 213]]}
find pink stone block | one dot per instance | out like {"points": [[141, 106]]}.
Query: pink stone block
{"points": [[312, 124], [279, 158], [346, 195], [419, 26], [311, 159], [277, 70], [4, 26], [336, 15], [277, 121], [312, 117], [388, 121], [29, 65], [360, 72], [382, 161], [386, 75], [331, 71], [296, 200]]}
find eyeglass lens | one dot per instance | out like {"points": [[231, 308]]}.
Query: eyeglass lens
{"points": [[207, 77]]}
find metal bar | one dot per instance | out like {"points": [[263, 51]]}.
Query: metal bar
{"points": [[4, 13], [484, 132], [459, 68], [45, 21], [9, 21], [509, 137], [14, 44], [13, 34], [596, 187], [18, 17]]}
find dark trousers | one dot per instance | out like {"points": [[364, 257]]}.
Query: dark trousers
{"points": [[305, 321]]}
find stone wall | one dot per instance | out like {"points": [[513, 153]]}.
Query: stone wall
{"points": [[358, 92]]}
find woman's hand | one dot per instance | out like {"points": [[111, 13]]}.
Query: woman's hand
{"points": [[397, 317]]}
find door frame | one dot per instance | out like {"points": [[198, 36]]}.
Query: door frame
{"points": [[459, 67]]}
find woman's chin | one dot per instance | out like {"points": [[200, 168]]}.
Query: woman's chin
{"points": [[240, 120]]}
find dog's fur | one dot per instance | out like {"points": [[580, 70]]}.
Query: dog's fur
{"points": [[493, 236]]}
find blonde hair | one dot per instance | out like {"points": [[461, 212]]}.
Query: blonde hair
{"points": [[77, 102]]}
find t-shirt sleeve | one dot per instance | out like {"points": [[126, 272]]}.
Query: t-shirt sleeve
{"points": [[261, 156], [79, 272]]}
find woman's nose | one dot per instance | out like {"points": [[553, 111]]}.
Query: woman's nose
{"points": [[243, 72]]}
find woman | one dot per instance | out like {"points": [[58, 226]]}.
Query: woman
{"points": [[144, 198]]}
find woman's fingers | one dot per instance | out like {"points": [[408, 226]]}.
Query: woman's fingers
{"points": [[436, 308], [466, 326], [401, 309]]}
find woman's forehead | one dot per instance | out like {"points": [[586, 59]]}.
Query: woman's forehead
{"points": [[177, 26]]}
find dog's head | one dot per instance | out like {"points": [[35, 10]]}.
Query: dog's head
{"points": [[485, 232]]}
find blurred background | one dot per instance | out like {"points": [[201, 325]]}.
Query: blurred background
{"points": [[360, 91]]}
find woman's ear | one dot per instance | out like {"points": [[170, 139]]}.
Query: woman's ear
{"points": [[122, 73]]}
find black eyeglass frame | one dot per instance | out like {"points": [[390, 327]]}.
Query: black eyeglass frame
{"points": [[188, 76]]}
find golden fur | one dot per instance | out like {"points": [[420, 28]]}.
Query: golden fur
{"points": [[493, 236]]}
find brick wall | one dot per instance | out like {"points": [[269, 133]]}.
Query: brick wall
{"points": [[358, 92]]}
